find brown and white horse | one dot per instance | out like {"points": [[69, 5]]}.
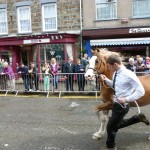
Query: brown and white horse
{"points": [[98, 65]]}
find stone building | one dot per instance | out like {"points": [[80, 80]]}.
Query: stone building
{"points": [[119, 25], [37, 30]]}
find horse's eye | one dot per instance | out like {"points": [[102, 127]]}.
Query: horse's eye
{"points": [[96, 61]]}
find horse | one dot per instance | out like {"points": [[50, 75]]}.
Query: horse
{"points": [[97, 66]]}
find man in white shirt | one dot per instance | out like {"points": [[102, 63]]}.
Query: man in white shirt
{"points": [[127, 88]]}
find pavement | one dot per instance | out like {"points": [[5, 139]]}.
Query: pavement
{"points": [[41, 123]]}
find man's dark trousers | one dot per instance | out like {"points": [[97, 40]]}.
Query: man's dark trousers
{"points": [[114, 123], [117, 122]]}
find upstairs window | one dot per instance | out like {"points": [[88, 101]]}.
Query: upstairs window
{"points": [[106, 9], [49, 17], [24, 19], [141, 8], [3, 21]]}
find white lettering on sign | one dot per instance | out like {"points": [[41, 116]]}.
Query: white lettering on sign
{"points": [[139, 30], [36, 41]]}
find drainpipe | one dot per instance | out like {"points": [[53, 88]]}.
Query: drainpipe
{"points": [[147, 51], [81, 26]]}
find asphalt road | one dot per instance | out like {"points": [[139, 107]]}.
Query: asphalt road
{"points": [[53, 124]]}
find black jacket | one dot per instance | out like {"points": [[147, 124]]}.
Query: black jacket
{"points": [[67, 68]]}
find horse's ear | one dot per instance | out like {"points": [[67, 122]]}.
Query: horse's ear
{"points": [[92, 51], [98, 50]]}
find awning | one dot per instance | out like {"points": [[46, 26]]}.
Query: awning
{"points": [[127, 41]]}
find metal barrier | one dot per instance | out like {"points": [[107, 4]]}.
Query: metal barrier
{"points": [[48, 84], [6, 83], [34, 83], [76, 83]]}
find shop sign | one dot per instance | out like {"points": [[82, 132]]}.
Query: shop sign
{"points": [[33, 41], [139, 30]]}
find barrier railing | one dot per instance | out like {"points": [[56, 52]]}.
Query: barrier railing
{"points": [[48, 84]]}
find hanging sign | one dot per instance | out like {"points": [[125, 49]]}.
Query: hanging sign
{"points": [[32, 41], [139, 30]]}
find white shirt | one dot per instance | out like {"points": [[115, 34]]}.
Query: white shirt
{"points": [[127, 85]]}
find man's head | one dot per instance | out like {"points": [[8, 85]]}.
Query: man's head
{"points": [[140, 60], [131, 61], [21, 64], [114, 62], [70, 59], [86, 56]]}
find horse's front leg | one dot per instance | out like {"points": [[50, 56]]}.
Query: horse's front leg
{"points": [[103, 118]]}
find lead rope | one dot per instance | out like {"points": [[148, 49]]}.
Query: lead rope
{"points": [[139, 110], [123, 106]]}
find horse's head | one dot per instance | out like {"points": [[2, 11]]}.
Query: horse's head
{"points": [[97, 64]]}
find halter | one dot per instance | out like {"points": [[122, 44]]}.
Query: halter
{"points": [[99, 73], [97, 70]]}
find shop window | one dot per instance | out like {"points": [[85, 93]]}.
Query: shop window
{"points": [[106, 9], [48, 51], [69, 50], [3, 21], [6, 56], [24, 19], [49, 17], [141, 8]]}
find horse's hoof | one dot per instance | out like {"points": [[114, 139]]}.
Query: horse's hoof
{"points": [[97, 136]]}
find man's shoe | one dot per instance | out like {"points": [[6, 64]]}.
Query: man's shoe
{"points": [[111, 148], [143, 119]]}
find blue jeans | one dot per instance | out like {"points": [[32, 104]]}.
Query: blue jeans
{"points": [[55, 82], [26, 82]]}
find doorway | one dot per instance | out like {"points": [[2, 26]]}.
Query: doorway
{"points": [[24, 57]]}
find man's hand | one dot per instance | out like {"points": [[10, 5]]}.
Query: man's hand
{"points": [[65, 77], [103, 77], [121, 100]]}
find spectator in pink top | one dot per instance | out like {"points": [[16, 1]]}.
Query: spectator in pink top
{"points": [[54, 70]]}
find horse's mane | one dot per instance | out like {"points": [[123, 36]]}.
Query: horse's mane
{"points": [[104, 52]]}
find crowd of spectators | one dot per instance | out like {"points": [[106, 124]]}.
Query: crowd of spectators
{"points": [[139, 65], [30, 75]]}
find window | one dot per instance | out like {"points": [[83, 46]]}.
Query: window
{"points": [[49, 17], [24, 19], [141, 8], [106, 9], [3, 21], [6, 55]]}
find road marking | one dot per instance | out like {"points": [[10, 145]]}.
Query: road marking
{"points": [[74, 104], [67, 130], [6, 145]]}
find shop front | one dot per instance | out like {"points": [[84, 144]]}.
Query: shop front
{"points": [[38, 49], [127, 41]]}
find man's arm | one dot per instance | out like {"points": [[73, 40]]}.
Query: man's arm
{"points": [[139, 89], [107, 81]]}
